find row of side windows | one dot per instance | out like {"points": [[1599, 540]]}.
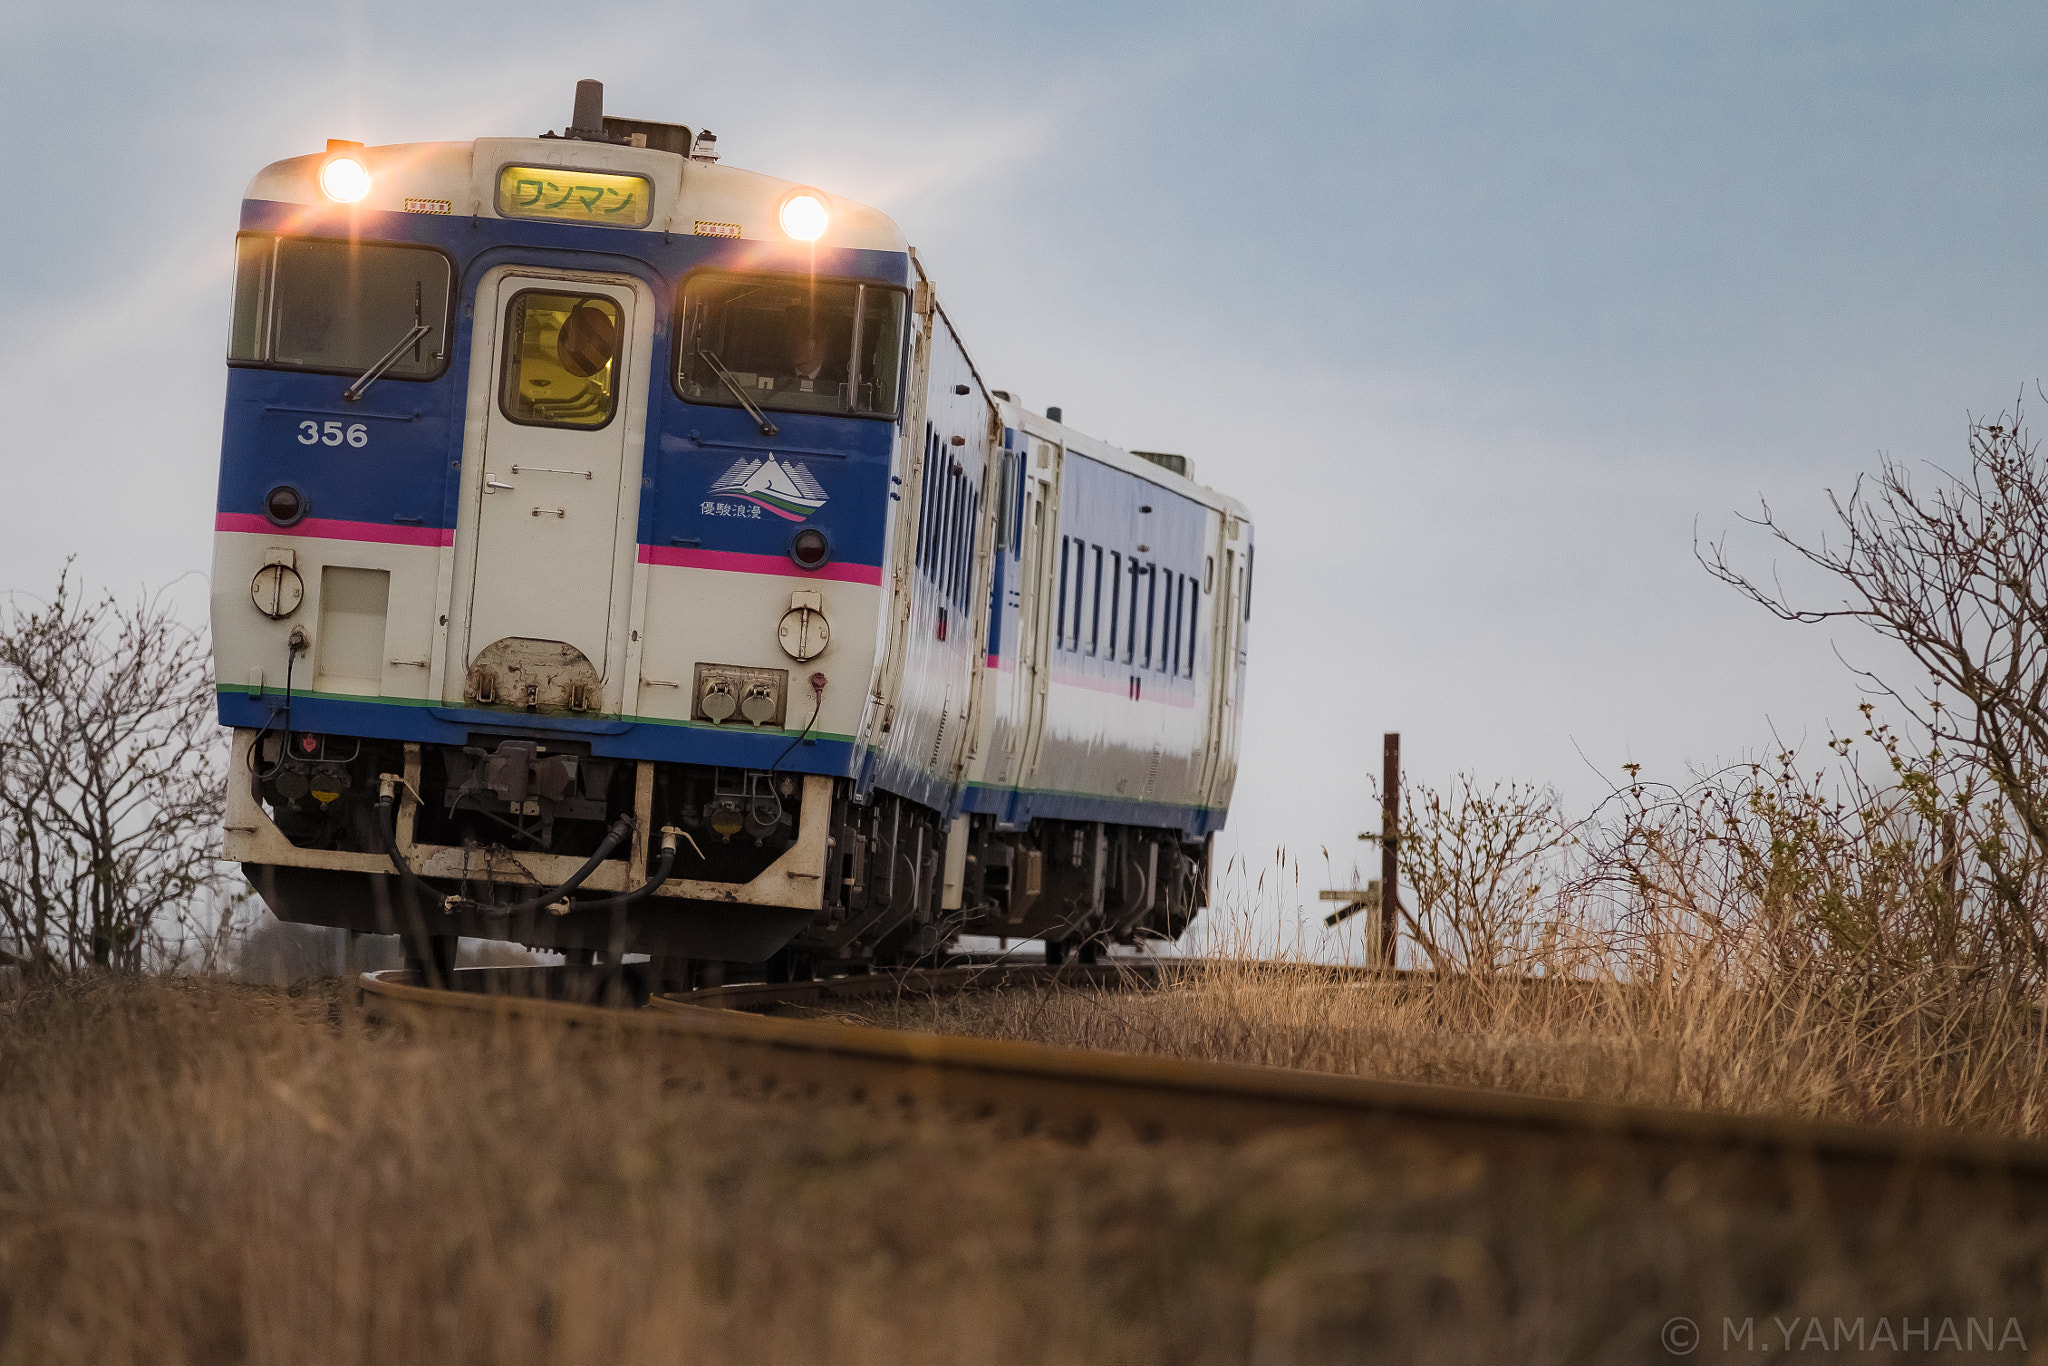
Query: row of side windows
{"points": [[1117, 607], [947, 516]]}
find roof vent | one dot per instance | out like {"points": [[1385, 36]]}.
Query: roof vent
{"points": [[1053, 415], [706, 148], [1177, 463]]}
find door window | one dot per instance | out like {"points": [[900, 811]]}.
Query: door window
{"points": [[561, 354]]}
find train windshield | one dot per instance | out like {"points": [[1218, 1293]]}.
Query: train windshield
{"points": [[339, 306], [791, 343]]}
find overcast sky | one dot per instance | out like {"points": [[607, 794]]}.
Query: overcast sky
{"points": [[1482, 309]]}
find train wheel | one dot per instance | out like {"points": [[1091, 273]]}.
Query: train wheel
{"points": [[666, 975], [1055, 952], [433, 960], [791, 966], [1089, 950]]}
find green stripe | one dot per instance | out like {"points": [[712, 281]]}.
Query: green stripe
{"points": [[579, 716]]}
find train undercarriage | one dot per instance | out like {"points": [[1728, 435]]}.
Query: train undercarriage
{"points": [[714, 873]]}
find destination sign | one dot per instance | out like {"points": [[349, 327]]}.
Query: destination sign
{"points": [[615, 201]]}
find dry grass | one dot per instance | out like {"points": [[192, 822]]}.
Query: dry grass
{"points": [[201, 1172], [1697, 1043]]}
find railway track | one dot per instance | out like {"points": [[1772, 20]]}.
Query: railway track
{"points": [[770, 1040]]}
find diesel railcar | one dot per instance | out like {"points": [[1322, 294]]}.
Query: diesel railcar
{"points": [[618, 552]]}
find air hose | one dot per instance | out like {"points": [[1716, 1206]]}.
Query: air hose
{"points": [[387, 820], [659, 876]]}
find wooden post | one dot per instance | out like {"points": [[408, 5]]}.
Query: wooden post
{"points": [[1390, 851]]}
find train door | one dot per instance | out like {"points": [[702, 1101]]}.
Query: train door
{"points": [[1221, 571], [552, 472], [983, 579], [1042, 465], [1239, 611], [915, 450]]}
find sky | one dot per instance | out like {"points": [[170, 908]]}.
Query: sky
{"points": [[1490, 312]]}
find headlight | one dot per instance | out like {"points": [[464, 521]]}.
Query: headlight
{"points": [[804, 216], [344, 179]]}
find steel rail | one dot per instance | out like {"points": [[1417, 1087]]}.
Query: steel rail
{"points": [[1857, 1172]]}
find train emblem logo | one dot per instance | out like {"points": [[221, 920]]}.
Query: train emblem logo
{"points": [[788, 491]]}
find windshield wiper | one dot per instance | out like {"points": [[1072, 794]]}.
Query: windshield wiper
{"points": [[767, 428], [389, 359]]}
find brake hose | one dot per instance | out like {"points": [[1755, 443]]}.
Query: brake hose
{"points": [[387, 827], [293, 646], [659, 876]]}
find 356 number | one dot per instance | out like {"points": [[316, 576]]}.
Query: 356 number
{"points": [[313, 433]]}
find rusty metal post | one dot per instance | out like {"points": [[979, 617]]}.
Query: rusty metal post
{"points": [[1390, 851]]}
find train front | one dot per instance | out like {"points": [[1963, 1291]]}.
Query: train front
{"points": [[548, 577]]}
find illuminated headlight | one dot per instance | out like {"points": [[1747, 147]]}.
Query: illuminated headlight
{"points": [[344, 179], [804, 216]]}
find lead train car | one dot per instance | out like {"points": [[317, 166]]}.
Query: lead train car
{"points": [[618, 552]]}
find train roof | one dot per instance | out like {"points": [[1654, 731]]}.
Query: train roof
{"points": [[691, 197], [1145, 465]]}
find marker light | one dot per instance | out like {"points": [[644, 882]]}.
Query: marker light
{"points": [[804, 217], [810, 548], [344, 179]]}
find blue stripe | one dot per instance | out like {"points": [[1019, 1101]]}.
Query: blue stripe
{"points": [[1015, 809], [611, 739], [912, 783]]}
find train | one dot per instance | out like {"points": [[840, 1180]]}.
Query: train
{"points": [[618, 552]]}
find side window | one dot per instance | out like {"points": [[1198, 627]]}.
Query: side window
{"points": [[249, 335], [1131, 632], [942, 520], [1016, 503], [1169, 659], [1151, 613], [949, 572], [928, 502], [560, 354], [1117, 596], [1066, 554], [967, 534], [1080, 588], [1006, 491], [1095, 615], [956, 491], [948, 518], [340, 307]]}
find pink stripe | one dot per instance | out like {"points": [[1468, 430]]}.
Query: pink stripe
{"points": [[734, 562], [1090, 683], [382, 532]]}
